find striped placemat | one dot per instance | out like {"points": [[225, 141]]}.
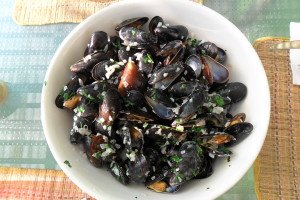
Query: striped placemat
{"points": [[28, 184], [277, 168]]}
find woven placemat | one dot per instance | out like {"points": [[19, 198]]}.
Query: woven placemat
{"points": [[277, 168], [28, 184], [39, 12]]}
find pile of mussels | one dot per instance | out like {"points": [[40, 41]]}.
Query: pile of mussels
{"points": [[153, 107]]}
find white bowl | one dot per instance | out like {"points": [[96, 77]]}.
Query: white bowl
{"points": [[206, 24]]}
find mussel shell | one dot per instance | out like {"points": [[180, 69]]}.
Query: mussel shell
{"points": [[98, 41], [69, 90], [88, 62], [131, 79], [236, 91], [86, 109], [154, 23], [134, 99], [190, 164], [164, 77], [81, 126], [195, 64], [183, 88], [137, 22], [146, 62], [214, 71], [192, 105], [166, 34], [118, 170], [206, 169], [221, 56], [239, 131], [170, 48], [208, 48], [160, 103], [138, 169], [136, 116], [136, 37], [124, 55], [106, 70], [110, 108], [95, 91]]}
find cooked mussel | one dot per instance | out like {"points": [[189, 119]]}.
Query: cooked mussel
{"points": [[137, 22], [136, 38], [98, 41]]}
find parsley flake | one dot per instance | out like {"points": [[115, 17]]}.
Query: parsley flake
{"points": [[68, 163], [218, 100], [68, 95], [148, 59], [176, 158], [80, 109]]}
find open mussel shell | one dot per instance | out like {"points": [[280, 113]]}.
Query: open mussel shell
{"points": [[137, 22], [136, 116], [213, 71], [164, 77], [131, 79], [170, 33], [69, 92], [136, 37], [195, 64], [239, 131], [207, 168], [238, 118], [236, 91], [155, 22], [98, 41], [118, 170], [88, 62], [134, 99], [138, 168]]}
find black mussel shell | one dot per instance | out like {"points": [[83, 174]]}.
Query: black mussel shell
{"points": [[136, 37], [118, 170], [98, 41], [137, 22], [138, 168], [239, 131], [236, 91], [154, 23]]}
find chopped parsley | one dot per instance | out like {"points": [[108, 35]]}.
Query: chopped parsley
{"points": [[193, 42], [89, 97], [218, 100], [80, 109], [68, 163], [117, 45], [100, 97], [67, 95], [178, 177], [224, 150], [197, 129], [176, 158], [97, 155], [199, 150], [148, 59]]}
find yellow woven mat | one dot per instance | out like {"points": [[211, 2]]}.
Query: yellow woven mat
{"points": [[39, 12], [28, 184], [277, 168]]}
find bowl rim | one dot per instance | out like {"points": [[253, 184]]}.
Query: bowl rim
{"points": [[51, 145]]}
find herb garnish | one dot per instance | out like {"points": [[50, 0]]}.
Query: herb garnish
{"points": [[68, 163], [193, 42], [218, 100], [67, 95], [197, 129], [148, 59], [80, 109], [176, 158]]}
